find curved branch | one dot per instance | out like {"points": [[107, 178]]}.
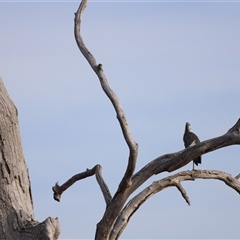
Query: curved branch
{"points": [[173, 161], [170, 181], [97, 170], [133, 147]]}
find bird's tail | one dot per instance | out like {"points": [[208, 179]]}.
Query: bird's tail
{"points": [[197, 160]]}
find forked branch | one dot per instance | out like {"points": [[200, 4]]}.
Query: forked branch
{"points": [[97, 170], [174, 161], [116, 215], [157, 186]]}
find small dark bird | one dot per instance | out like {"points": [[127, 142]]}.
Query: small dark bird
{"points": [[189, 138]]}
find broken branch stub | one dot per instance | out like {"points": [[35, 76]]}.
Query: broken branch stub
{"points": [[58, 190]]}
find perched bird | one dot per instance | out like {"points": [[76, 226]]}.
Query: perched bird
{"points": [[189, 138]]}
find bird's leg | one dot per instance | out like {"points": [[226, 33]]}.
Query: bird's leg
{"points": [[193, 165]]}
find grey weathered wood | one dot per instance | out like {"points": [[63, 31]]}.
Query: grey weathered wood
{"points": [[16, 205], [112, 211], [98, 69], [97, 170], [170, 181], [118, 211], [109, 227]]}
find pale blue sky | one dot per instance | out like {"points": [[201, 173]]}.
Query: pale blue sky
{"points": [[169, 63]]}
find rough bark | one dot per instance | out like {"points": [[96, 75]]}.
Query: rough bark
{"points": [[16, 205]]}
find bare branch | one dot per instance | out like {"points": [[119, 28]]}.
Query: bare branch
{"points": [[173, 161], [236, 127], [98, 69], [168, 162], [105, 190], [183, 192], [238, 176], [170, 181], [58, 190]]}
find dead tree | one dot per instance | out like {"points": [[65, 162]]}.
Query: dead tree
{"points": [[16, 205], [119, 208]]}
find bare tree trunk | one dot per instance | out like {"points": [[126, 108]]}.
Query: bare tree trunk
{"points": [[16, 205]]}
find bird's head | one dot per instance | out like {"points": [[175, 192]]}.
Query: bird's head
{"points": [[188, 127]]}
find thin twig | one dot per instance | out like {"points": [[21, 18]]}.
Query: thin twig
{"points": [[238, 176]]}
